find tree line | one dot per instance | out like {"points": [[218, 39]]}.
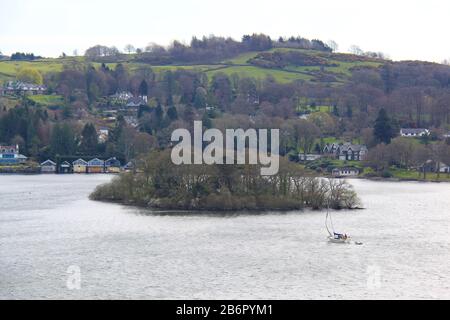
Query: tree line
{"points": [[210, 49], [160, 184]]}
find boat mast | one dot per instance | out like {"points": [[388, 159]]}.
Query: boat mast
{"points": [[326, 221]]}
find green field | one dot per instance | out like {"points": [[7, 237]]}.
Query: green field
{"points": [[47, 100], [261, 73], [404, 174], [9, 69], [239, 65]]}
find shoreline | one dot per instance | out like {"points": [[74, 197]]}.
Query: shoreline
{"points": [[379, 179], [220, 210]]}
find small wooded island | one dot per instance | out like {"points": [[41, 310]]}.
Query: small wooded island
{"points": [[158, 183]]}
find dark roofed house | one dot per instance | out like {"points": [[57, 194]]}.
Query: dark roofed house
{"points": [[412, 132], [121, 97], [330, 149], [96, 166], [65, 167], [136, 102], [346, 151], [112, 165], [355, 152]]}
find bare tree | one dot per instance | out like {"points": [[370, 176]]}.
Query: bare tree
{"points": [[130, 48], [333, 45], [306, 134], [356, 50]]}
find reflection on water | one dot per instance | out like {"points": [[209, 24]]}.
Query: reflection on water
{"points": [[48, 228]]}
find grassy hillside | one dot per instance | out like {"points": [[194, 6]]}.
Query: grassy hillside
{"points": [[48, 100], [338, 67]]}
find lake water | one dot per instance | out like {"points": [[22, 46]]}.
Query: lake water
{"points": [[55, 243]]}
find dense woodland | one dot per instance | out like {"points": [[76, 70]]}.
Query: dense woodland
{"points": [[161, 184], [369, 107]]}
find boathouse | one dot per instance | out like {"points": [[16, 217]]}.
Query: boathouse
{"points": [[96, 166], [48, 166], [65, 168], [80, 166], [112, 165]]}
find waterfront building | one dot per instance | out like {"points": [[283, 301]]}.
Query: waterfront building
{"points": [[112, 165], [96, 166], [48, 167], [80, 166], [9, 155], [345, 172], [65, 167]]}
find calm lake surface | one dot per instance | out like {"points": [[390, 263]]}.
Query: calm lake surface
{"points": [[48, 229]]}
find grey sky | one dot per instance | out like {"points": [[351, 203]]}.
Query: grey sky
{"points": [[403, 29]]}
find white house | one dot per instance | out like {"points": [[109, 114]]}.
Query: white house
{"points": [[345, 172], [433, 166], [411, 132], [19, 87], [103, 135], [9, 155], [309, 157], [444, 168], [48, 167]]}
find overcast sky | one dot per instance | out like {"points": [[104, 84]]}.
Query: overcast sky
{"points": [[413, 29]]}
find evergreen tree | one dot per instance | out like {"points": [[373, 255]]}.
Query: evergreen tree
{"points": [[159, 112], [143, 89], [335, 111], [383, 129], [207, 123], [318, 149], [142, 110], [349, 112], [200, 98], [89, 140], [172, 113], [67, 111], [117, 131], [62, 141], [169, 87]]}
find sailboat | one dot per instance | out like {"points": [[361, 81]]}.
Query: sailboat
{"points": [[334, 237]]}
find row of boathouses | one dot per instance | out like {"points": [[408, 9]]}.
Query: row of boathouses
{"points": [[112, 165]]}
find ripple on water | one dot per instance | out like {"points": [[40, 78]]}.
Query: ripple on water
{"points": [[47, 224]]}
